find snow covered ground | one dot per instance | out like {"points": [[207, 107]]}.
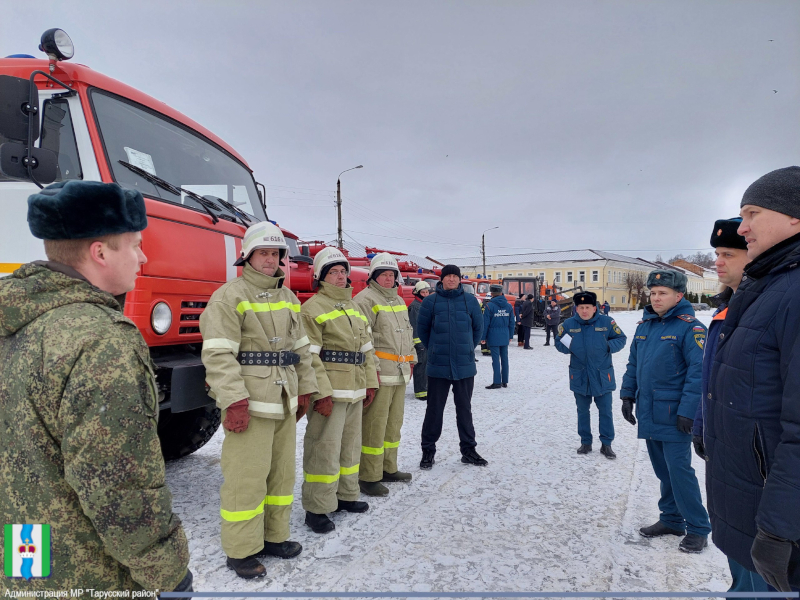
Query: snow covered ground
{"points": [[538, 518]]}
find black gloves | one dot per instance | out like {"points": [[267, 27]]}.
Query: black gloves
{"points": [[685, 424], [627, 410], [699, 446], [186, 583], [419, 347], [770, 556]]}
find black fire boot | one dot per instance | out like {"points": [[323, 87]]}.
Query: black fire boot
{"points": [[606, 451], [494, 386], [427, 460], [585, 449], [658, 529], [353, 506], [287, 549], [504, 384], [471, 457], [247, 568], [319, 523], [373, 488], [396, 476], [693, 543]]}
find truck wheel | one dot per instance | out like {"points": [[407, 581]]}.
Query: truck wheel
{"points": [[183, 433]]}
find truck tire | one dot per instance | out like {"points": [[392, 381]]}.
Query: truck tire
{"points": [[183, 433]]}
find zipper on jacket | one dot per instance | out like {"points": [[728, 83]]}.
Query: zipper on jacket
{"points": [[758, 445]]}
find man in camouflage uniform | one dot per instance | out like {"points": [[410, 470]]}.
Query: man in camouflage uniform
{"points": [[332, 445], [258, 365], [80, 450], [394, 354]]}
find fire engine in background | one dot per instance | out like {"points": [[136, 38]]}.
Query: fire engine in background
{"points": [[199, 193]]}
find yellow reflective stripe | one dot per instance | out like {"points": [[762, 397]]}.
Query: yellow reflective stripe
{"points": [[368, 450], [303, 341], [266, 306], [349, 470], [379, 307], [391, 444], [279, 500], [417, 341], [334, 314], [320, 478], [9, 267], [221, 344], [242, 515]]}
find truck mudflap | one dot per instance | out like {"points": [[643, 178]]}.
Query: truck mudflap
{"points": [[187, 382]]}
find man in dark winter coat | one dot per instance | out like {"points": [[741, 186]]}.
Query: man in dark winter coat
{"points": [[420, 375], [590, 339], [752, 419], [450, 326], [731, 251], [520, 330], [663, 380], [498, 329], [552, 317], [606, 308], [526, 319]]}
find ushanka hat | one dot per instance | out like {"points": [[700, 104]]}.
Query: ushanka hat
{"points": [[667, 278], [725, 234], [585, 298]]}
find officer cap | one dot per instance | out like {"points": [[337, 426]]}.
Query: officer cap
{"points": [[74, 210], [667, 278], [725, 234], [585, 298], [496, 288]]}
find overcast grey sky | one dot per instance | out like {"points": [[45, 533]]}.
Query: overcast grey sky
{"points": [[627, 126]]}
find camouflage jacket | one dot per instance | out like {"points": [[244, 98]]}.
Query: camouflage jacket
{"points": [[255, 313], [80, 450], [333, 322]]}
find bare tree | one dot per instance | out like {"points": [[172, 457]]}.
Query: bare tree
{"points": [[634, 282]]}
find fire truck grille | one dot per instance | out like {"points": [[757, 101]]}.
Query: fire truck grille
{"points": [[190, 315]]}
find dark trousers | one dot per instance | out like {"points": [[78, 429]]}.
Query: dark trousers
{"points": [[585, 418], [499, 363], [527, 336], [438, 389], [520, 334], [680, 504], [549, 329], [420, 375]]}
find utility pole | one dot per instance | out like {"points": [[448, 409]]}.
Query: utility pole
{"points": [[483, 248], [339, 240]]}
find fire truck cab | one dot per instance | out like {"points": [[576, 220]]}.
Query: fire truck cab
{"points": [[61, 121]]}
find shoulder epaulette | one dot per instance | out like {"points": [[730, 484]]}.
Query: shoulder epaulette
{"points": [[687, 318]]}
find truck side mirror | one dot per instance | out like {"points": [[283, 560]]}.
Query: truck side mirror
{"points": [[17, 107], [14, 162]]}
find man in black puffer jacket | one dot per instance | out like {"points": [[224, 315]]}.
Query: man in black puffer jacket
{"points": [[752, 421]]}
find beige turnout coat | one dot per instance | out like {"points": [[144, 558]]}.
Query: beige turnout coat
{"points": [[255, 313]]}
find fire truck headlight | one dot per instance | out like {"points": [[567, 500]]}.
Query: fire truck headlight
{"points": [[57, 44], [161, 318]]}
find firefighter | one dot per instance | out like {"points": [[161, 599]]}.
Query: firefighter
{"points": [[394, 355], [347, 381], [421, 290], [259, 369]]}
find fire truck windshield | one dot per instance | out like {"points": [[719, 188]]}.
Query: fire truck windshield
{"points": [[163, 148]]}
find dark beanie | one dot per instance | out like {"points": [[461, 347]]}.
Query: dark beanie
{"points": [[778, 191], [585, 298], [75, 210], [450, 270], [725, 234]]}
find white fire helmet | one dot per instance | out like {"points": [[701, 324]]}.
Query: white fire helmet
{"points": [[262, 235], [385, 261], [328, 257], [421, 285]]}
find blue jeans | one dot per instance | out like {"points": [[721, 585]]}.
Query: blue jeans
{"points": [[746, 581], [499, 363], [585, 418], [681, 505]]}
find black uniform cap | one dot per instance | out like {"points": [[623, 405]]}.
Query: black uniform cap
{"points": [[585, 298], [725, 234]]}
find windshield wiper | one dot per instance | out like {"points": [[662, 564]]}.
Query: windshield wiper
{"points": [[242, 216], [174, 189]]}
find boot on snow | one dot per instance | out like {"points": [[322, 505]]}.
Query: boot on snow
{"points": [[494, 386], [396, 476], [247, 568], [287, 549], [606, 451], [693, 543], [427, 460], [373, 488], [585, 449], [353, 506], [659, 529], [470, 457], [504, 384], [319, 523]]}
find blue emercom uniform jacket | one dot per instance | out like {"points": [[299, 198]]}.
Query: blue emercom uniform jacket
{"points": [[665, 369], [591, 343], [498, 322]]}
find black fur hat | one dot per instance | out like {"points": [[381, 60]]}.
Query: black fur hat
{"points": [[725, 234], [585, 298], [73, 210]]}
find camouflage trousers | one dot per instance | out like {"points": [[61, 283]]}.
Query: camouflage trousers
{"points": [[380, 433], [258, 468], [331, 450]]}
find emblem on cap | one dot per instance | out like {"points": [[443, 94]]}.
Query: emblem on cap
{"points": [[719, 231], [658, 275]]}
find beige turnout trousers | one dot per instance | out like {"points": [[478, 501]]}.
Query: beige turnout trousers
{"points": [[258, 467], [380, 429], [331, 451]]}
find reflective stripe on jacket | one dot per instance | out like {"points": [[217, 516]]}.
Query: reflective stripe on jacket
{"points": [[255, 313], [333, 321]]}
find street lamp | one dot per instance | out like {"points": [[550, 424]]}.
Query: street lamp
{"points": [[340, 241], [483, 248]]}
